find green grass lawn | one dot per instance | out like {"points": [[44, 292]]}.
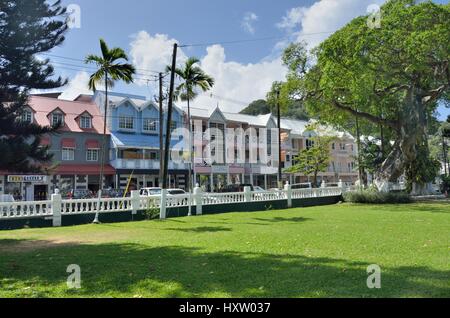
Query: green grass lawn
{"points": [[310, 252]]}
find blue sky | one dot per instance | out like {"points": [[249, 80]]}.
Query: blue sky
{"points": [[243, 72]]}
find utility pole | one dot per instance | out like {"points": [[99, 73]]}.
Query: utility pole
{"points": [[161, 129], [169, 118], [358, 141], [444, 153], [280, 174]]}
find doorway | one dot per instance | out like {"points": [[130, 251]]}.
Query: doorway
{"points": [[40, 192]]}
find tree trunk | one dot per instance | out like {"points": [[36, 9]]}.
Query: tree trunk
{"points": [[411, 136]]}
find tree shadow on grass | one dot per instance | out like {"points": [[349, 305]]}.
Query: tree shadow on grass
{"points": [[284, 220], [202, 229], [413, 207], [125, 270]]}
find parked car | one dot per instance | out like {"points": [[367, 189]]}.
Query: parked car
{"points": [[236, 188], [173, 192], [307, 185], [258, 189], [79, 194], [112, 193], [150, 191]]}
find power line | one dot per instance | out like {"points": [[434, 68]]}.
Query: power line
{"points": [[81, 60]]}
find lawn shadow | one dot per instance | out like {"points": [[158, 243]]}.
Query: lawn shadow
{"points": [[203, 229], [414, 207], [173, 271], [284, 220]]}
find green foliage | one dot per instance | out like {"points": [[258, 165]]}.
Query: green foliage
{"points": [[423, 170], [257, 107], [445, 186], [27, 28], [109, 69], [391, 76], [152, 213], [194, 79], [371, 156], [294, 110], [375, 197], [315, 159]]}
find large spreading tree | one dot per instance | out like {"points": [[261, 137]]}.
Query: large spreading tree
{"points": [[392, 76], [27, 28]]}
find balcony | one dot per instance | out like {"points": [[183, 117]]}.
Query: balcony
{"points": [[138, 164]]}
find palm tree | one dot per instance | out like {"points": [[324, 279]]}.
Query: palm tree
{"points": [[194, 79], [109, 71]]}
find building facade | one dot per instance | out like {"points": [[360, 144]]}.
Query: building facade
{"points": [[248, 156], [75, 149], [134, 150]]}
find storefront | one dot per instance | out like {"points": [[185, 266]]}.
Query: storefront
{"points": [[26, 187]]}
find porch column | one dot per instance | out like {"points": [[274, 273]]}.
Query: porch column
{"points": [[265, 181]]}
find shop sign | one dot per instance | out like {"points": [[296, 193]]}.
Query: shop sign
{"points": [[27, 179]]}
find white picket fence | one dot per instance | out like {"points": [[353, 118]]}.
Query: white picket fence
{"points": [[57, 207]]}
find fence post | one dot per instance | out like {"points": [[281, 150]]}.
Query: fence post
{"points": [[288, 189], [248, 194], [198, 199], [135, 202], [162, 209], [56, 209], [341, 186]]}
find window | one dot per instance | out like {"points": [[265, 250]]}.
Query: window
{"points": [[309, 143], [85, 122], [342, 146], [126, 123], [92, 155], [333, 146], [27, 117], [57, 119], [150, 125], [68, 154], [154, 155]]}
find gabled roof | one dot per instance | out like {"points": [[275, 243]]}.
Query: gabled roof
{"points": [[44, 106]]}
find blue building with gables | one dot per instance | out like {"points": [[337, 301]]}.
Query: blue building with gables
{"points": [[134, 125]]}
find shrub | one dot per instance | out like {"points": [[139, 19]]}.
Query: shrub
{"points": [[152, 211], [375, 197]]}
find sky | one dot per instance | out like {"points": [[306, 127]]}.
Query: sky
{"points": [[147, 29]]}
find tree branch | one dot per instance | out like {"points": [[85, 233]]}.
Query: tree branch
{"points": [[390, 123]]}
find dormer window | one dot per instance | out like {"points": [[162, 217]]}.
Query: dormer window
{"points": [[150, 125], [85, 122], [57, 119], [27, 117], [126, 123]]}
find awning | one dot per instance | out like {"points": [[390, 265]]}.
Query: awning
{"points": [[91, 170], [92, 144], [130, 141], [68, 143]]}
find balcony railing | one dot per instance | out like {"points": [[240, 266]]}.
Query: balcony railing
{"points": [[145, 164]]}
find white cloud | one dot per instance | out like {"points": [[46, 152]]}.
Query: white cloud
{"points": [[77, 85], [233, 81], [315, 23], [248, 22], [237, 84], [152, 53]]}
